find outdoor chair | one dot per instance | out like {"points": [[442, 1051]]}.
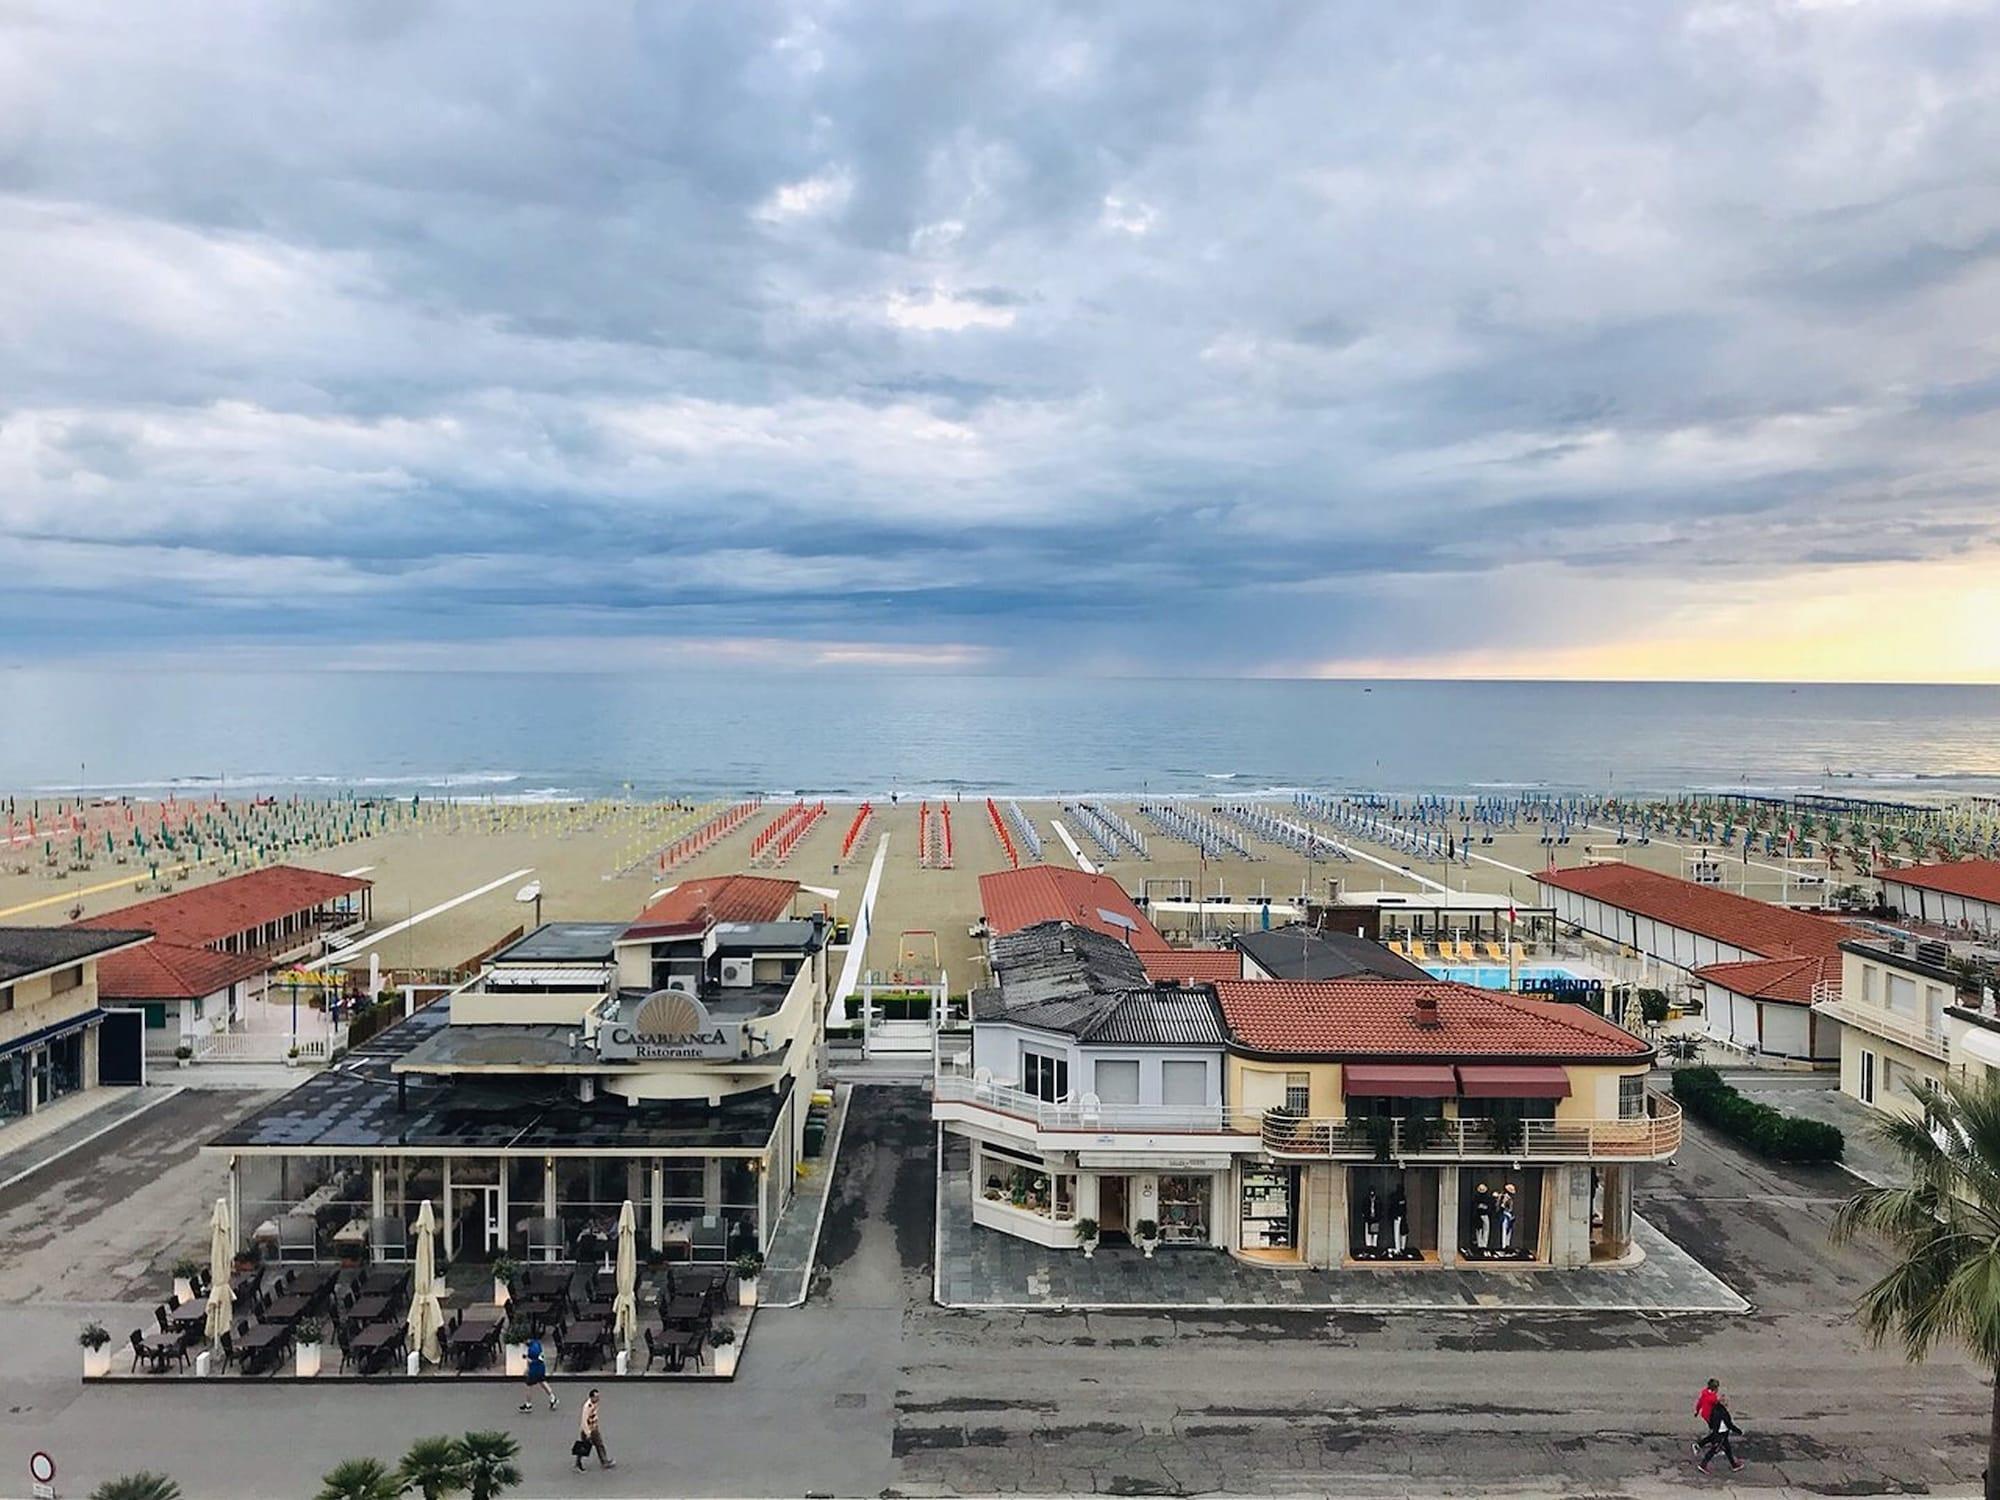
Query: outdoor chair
{"points": [[138, 1348], [228, 1350], [688, 1347], [653, 1349], [160, 1316]]}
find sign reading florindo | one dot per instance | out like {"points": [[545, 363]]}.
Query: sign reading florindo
{"points": [[669, 1026]]}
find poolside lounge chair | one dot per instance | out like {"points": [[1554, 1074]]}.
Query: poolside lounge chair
{"points": [[1417, 951]]}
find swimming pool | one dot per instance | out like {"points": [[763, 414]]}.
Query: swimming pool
{"points": [[1532, 977]]}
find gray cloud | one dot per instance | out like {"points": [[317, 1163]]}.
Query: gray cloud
{"points": [[1034, 334]]}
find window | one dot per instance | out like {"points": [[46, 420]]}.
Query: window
{"points": [[66, 980], [6, 998], [1867, 1083], [1184, 1209], [1903, 995], [1046, 1077], [1298, 1093], [1184, 1083], [1868, 995], [1887, 1082], [1024, 1183], [1632, 1098], [1117, 1082]]}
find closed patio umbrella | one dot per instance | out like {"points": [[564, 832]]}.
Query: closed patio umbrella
{"points": [[426, 1313], [625, 1307], [221, 1301]]}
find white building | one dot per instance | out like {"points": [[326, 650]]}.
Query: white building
{"points": [[1963, 894]]}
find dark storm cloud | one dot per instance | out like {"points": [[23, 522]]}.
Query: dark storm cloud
{"points": [[1037, 334]]}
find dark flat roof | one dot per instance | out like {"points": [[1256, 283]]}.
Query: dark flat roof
{"points": [[353, 1108], [563, 942], [36, 950], [1298, 952]]}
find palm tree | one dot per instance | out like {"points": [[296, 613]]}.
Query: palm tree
{"points": [[433, 1468], [1946, 1227], [360, 1479], [144, 1485], [487, 1461]]}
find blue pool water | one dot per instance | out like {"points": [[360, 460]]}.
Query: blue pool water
{"points": [[1494, 976]]}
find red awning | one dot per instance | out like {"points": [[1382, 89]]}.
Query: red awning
{"points": [[1512, 1081], [1399, 1080]]}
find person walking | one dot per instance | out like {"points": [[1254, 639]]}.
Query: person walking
{"points": [[590, 1434], [1721, 1428], [538, 1375]]}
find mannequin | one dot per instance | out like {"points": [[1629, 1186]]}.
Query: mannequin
{"points": [[1371, 1225], [1596, 1197], [1482, 1219], [1399, 1224], [1507, 1219]]}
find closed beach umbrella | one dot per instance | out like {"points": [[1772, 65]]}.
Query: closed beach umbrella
{"points": [[221, 1301], [625, 1308], [1635, 1014], [426, 1314]]}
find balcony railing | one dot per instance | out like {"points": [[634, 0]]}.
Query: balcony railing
{"points": [[955, 1084], [1904, 1031], [1650, 1137]]}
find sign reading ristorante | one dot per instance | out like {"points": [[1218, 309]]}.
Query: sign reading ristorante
{"points": [[669, 1026]]}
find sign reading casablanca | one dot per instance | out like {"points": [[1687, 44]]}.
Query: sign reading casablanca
{"points": [[669, 1026]]}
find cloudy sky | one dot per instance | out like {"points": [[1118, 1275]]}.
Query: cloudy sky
{"points": [[1595, 340]]}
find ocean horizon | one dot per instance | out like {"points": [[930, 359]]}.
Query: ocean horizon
{"points": [[561, 735]]}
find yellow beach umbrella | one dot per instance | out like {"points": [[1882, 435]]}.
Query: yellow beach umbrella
{"points": [[625, 1306], [221, 1247], [426, 1312]]}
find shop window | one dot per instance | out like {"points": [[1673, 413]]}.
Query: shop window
{"points": [[1186, 1204], [1499, 1213], [1184, 1083], [1026, 1184], [1268, 1195], [1117, 1082], [1298, 1093], [1392, 1213], [1044, 1076]]}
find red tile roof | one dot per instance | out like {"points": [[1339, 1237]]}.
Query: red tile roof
{"points": [[1787, 979], [1976, 879], [207, 914], [1013, 899], [172, 971], [1193, 965], [1376, 1018], [720, 898], [1754, 926]]}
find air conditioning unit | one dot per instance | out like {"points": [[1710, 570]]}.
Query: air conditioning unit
{"points": [[687, 984], [736, 973]]}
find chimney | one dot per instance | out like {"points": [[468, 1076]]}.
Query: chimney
{"points": [[1427, 1012]]}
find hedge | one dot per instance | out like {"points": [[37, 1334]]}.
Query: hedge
{"points": [[1710, 1098]]}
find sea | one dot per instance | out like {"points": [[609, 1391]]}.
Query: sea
{"points": [[561, 736]]}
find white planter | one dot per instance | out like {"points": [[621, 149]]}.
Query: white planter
{"points": [[291, 1062], [517, 1360], [725, 1360], [1089, 1248], [501, 1296], [746, 1291], [96, 1362], [308, 1360], [1147, 1247], [624, 1362], [414, 1365], [183, 1292]]}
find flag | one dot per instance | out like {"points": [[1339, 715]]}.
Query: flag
{"points": [[1512, 915]]}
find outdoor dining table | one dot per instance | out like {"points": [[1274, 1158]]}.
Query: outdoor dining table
{"points": [[485, 1312], [471, 1340], [372, 1345], [189, 1317], [581, 1338], [384, 1279], [368, 1309], [533, 1311], [262, 1339], [158, 1348], [685, 1309], [288, 1309]]}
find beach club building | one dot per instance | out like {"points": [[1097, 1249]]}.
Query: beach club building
{"points": [[1962, 894], [51, 1046], [670, 1061], [1756, 968], [1012, 899]]}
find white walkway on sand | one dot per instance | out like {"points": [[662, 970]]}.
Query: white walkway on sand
{"points": [[360, 946], [864, 922], [1074, 853]]}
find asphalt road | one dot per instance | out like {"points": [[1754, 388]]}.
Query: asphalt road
{"points": [[870, 1389]]}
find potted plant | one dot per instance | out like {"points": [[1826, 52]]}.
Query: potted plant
{"points": [[723, 1341], [306, 1336], [183, 1055], [505, 1269], [245, 1260], [1086, 1236], [95, 1339], [748, 1265], [185, 1271], [1148, 1231], [291, 1057]]}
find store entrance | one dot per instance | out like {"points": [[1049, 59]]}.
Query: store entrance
{"points": [[1111, 1207], [1269, 1228]]}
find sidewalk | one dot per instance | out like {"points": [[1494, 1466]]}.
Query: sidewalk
{"points": [[1817, 1096], [27, 1146], [795, 1242]]}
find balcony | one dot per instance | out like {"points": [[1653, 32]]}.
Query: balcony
{"points": [[1653, 1136], [961, 1094], [1904, 1031]]}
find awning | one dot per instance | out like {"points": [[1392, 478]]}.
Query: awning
{"points": [[54, 1033], [1152, 1161], [1512, 1081], [1399, 1080]]}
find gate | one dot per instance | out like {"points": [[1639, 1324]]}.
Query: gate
{"points": [[121, 1047]]}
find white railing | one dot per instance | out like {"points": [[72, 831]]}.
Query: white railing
{"points": [[265, 1047], [1902, 1030], [954, 1084], [1649, 1137]]}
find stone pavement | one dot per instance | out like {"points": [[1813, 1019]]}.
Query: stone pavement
{"points": [[789, 1260], [980, 1268], [50, 1134]]}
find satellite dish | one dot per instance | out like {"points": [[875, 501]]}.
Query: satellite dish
{"points": [[532, 891]]}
